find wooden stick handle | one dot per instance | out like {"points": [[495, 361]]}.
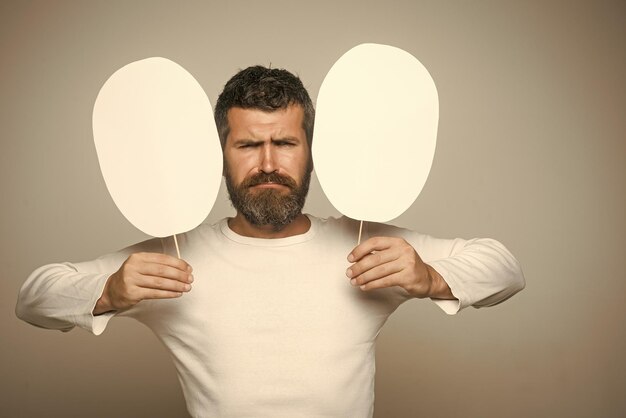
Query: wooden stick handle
{"points": [[176, 243]]}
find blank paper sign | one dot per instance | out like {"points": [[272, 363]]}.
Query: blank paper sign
{"points": [[158, 146], [375, 132]]}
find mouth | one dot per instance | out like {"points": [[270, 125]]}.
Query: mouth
{"points": [[269, 185], [263, 181]]}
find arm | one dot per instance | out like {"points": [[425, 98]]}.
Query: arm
{"points": [[59, 296], [88, 294], [478, 272]]}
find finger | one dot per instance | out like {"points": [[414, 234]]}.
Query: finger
{"points": [[167, 260], [165, 271], [388, 281], [160, 283], [372, 260], [160, 294], [370, 245], [377, 273]]}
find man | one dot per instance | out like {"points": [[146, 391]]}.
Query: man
{"points": [[279, 323]]}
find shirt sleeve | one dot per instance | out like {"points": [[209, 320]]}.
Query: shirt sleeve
{"points": [[63, 295], [480, 272]]}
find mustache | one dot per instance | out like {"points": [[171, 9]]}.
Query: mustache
{"points": [[261, 178]]}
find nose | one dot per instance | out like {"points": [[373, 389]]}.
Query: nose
{"points": [[268, 160]]}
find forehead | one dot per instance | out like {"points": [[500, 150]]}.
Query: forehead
{"points": [[259, 124]]}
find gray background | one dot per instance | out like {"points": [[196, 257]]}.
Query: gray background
{"points": [[530, 151]]}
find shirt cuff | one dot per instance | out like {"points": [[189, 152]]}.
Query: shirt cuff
{"points": [[95, 324], [450, 306]]}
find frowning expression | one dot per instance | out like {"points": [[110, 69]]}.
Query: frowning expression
{"points": [[267, 164]]}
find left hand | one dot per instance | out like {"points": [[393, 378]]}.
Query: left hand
{"points": [[387, 261]]}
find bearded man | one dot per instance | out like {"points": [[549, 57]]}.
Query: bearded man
{"points": [[284, 312]]}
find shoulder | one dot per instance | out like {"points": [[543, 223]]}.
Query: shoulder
{"points": [[345, 226], [188, 241], [369, 228], [341, 223]]}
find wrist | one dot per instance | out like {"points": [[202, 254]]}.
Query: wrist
{"points": [[439, 289], [103, 304]]}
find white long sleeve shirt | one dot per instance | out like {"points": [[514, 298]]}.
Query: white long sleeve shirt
{"points": [[272, 327]]}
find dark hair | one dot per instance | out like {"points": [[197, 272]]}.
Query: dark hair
{"points": [[267, 89]]}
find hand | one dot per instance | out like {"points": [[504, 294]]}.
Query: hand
{"points": [[144, 276], [385, 261]]}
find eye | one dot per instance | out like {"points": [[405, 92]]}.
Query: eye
{"points": [[285, 143], [248, 145]]}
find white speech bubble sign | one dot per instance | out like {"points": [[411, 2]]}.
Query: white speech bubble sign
{"points": [[375, 132], [158, 146]]}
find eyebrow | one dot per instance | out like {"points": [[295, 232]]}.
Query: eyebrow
{"points": [[286, 139], [249, 141]]}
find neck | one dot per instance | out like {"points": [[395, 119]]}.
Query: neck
{"points": [[240, 225]]}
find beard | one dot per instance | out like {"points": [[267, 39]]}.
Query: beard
{"points": [[269, 206]]}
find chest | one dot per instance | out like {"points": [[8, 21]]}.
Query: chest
{"points": [[298, 295]]}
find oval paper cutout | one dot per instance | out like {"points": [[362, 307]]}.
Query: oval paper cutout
{"points": [[375, 132], [158, 146]]}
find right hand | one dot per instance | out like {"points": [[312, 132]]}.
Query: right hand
{"points": [[144, 276]]}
